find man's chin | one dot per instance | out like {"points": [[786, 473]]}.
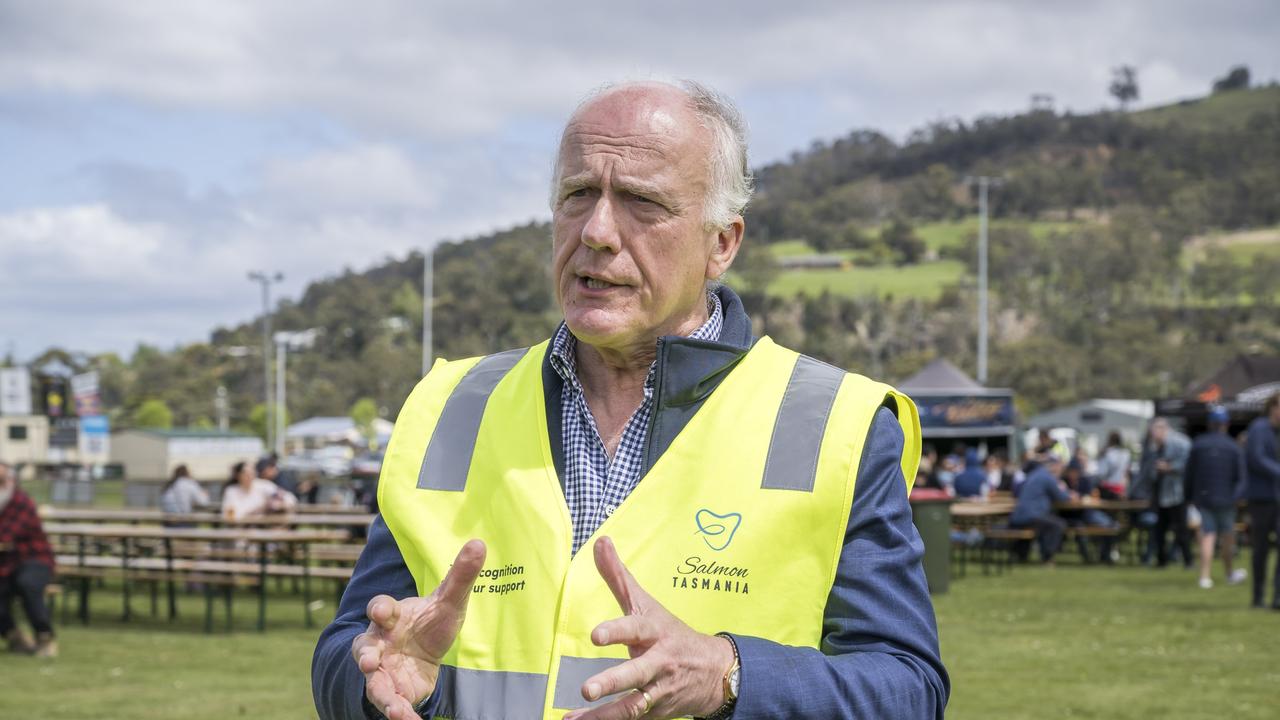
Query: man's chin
{"points": [[599, 327]]}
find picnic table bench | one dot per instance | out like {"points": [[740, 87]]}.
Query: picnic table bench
{"points": [[179, 560]]}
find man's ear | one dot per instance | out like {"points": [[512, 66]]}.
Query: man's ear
{"points": [[724, 249]]}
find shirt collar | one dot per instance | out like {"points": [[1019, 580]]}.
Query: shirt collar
{"points": [[564, 345]]}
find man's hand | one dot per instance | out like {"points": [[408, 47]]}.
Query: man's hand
{"points": [[680, 669], [400, 652]]}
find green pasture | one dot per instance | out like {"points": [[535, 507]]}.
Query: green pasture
{"points": [[1228, 109], [925, 280]]}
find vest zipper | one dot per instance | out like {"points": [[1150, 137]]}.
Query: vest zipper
{"points": [[661, 360]]}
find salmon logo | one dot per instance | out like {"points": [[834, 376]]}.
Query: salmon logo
{"points": [[717, 530]]}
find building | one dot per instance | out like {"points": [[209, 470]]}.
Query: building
{"points": [[955, 409], [24, 441], [1093, 420], [152, 454], [318, 432]]}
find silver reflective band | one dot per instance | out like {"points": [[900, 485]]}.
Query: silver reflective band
{"points": [[574, 671], [489, 694], [792, 462], [448, 457]]}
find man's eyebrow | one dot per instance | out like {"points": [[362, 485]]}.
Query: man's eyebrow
{"points": [[635, 186]]}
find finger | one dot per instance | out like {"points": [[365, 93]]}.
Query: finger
{"points": [[369, 658], [384, 611], [626, 630], [628, 707], [630, 675], [381, 691], [616, 576], [456, 587]]}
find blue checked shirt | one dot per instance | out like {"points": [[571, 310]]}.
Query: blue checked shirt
{"points": [[595, 484]]}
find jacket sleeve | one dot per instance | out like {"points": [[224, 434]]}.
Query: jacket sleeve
{"points": [[879, 655], [337, 685], [1260, 449]]}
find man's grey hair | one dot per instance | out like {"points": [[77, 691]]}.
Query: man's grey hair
{"points": [[730, 184]]}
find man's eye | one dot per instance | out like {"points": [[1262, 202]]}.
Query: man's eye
{"points": [[580, 192]]}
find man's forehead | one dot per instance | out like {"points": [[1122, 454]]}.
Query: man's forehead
{"points": [[642, 118]]}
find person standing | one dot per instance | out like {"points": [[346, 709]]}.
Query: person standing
{"points": [[1262, 492], [1113, 467], [1215, 479], [26, 569], [1166, 478]]}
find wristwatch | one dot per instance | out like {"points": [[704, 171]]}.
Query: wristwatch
{"points": [[732, 681]]}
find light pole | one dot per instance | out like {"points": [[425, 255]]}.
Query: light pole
{"points": [[984, 182], [428, 289], [266, 279], [282, 352]]}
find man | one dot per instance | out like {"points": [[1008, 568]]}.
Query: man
{"points": [[665, 508], [1215, 479], [1163, 471], [973, 480], [1034, 509], [26, 568], [1262, 464]]}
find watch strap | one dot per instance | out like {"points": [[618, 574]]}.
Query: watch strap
{"points": [[725, 711]]}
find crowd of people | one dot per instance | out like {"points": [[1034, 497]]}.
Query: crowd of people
{"points": [[1189, 487]]}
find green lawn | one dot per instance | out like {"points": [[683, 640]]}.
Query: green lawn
{"points": [[1088, 642], [925, 280]]}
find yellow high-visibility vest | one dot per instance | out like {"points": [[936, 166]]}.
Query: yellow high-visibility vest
{"points": [[737, 527]]}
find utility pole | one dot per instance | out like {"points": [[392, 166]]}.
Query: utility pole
{"points": [[984, 183], [282, 352], [266, 279], [428, 289], [220, 408]]}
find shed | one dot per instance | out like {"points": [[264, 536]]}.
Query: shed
{"points": [[955, 407], [152, 454]]}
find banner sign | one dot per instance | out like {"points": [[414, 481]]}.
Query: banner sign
{"points": [[84, 388], [95, 435], [965, 412], [15, 391]]}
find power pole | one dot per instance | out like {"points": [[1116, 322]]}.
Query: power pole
{"points": [[282, 353], [428, 289], [220, 408], [984, 183], [266, 280]]}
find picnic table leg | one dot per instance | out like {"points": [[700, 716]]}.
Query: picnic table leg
{"points": [[168, 565], [306, 581], [84, 586], [124, 565], [262, 586]]}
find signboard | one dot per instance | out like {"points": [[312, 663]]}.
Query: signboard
{"points": [[64, 432], [965, 412], [95, 436], [53, 393], [15, 391], [84, 388]]}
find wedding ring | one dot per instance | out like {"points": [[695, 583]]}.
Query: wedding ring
{"points": [[648, 702]]}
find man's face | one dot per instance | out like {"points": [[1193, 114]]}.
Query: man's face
{"points": [[1159, 432], [631, 254]]}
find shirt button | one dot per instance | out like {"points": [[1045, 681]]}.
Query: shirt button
{"points": [[609, 509]]}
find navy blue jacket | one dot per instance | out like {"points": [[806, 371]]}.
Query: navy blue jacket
{"points": [[879, 652], [1262, 462], [1215, 471]]}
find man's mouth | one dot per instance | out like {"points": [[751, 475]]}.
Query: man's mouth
{"points": [[595, 283]]}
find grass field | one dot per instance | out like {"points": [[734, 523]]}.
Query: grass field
{"points": [[1215, 111], [925, 280], [1083, 642]]}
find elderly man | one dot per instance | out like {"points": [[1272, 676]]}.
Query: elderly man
{"points": [[26, 568], [656, 511]]}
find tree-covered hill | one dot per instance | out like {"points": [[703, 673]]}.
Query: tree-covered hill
{"points": [[1115, 264]]}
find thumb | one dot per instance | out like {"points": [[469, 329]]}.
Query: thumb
{"points": [[456, 587], [624, 587]]}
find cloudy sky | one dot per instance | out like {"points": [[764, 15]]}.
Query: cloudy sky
{"points": [[152, 152]]}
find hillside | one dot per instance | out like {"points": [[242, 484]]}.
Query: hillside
{"points": [[1118, 240]]}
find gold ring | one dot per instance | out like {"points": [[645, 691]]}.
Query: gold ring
{"points": [[648, 702]]}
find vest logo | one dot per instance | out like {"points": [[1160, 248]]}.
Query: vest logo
{"points": [[717, 530]]}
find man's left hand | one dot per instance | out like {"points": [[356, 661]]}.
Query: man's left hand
{"points": [[674, 671]]}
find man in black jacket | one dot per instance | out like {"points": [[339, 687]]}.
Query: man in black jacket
{"points": [[1215, 480]]}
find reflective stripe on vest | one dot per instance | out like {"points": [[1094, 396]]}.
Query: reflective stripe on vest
{"points": [[738, 526]]}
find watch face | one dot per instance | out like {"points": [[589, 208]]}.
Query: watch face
{"points": [[734, 678]]}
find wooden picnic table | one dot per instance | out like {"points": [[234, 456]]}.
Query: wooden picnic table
{"points": [[127, 534], [1087, 503], [151, 515], [330, 509]]}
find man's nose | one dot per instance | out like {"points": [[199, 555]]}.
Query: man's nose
{"points": [[601, 230]]}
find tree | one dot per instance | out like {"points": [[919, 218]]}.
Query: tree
{"points": [[901, 238], [1236, 79], [1124, 85], [153, 413], [257, 424], [363, 413]]}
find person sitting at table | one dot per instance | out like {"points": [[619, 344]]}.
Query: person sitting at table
{"points": [[182, 495], [1034, 508], [972, 481], [247, 496], [26, 569], [1087, 487]]}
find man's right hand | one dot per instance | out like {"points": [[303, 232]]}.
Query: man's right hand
{"points": [[400, 653]]}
